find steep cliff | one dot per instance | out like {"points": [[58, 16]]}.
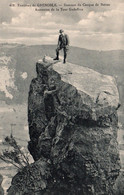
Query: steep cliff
{"points": [[73, 123], [1, 189]]}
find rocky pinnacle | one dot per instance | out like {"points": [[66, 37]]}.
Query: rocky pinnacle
{"points": [[73, 124]]}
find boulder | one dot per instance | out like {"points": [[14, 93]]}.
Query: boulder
{"points": [[73, 124], [1, 188]]}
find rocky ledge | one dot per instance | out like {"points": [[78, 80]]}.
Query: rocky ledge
{"points": [[73, 123]]}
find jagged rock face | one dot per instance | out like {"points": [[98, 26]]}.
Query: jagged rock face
{"points": [[1, 189], [72, 113]]}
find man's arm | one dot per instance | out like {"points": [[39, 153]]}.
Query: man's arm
{"points": [[67, 40], [58, 41]]}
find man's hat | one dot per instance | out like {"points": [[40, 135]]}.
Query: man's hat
{"points": [[61, 30]]}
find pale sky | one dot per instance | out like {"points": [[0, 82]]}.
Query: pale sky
{"points": [[96, 27]]}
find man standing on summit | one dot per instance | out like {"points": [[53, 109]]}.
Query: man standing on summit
{"points": [[63, 43]]}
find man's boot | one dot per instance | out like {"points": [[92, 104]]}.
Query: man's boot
{"points": [[56, 58]]}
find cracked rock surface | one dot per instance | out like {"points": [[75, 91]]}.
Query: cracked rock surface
{"points": [[73, 123]]}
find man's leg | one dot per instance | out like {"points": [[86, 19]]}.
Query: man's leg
{"points": [[65, 55], [57, 54]]}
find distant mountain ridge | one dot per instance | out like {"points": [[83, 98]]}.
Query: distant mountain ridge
{"points": [[20, 60]]}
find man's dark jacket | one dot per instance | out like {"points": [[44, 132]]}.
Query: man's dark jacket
{"points": [[63, 40]]}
